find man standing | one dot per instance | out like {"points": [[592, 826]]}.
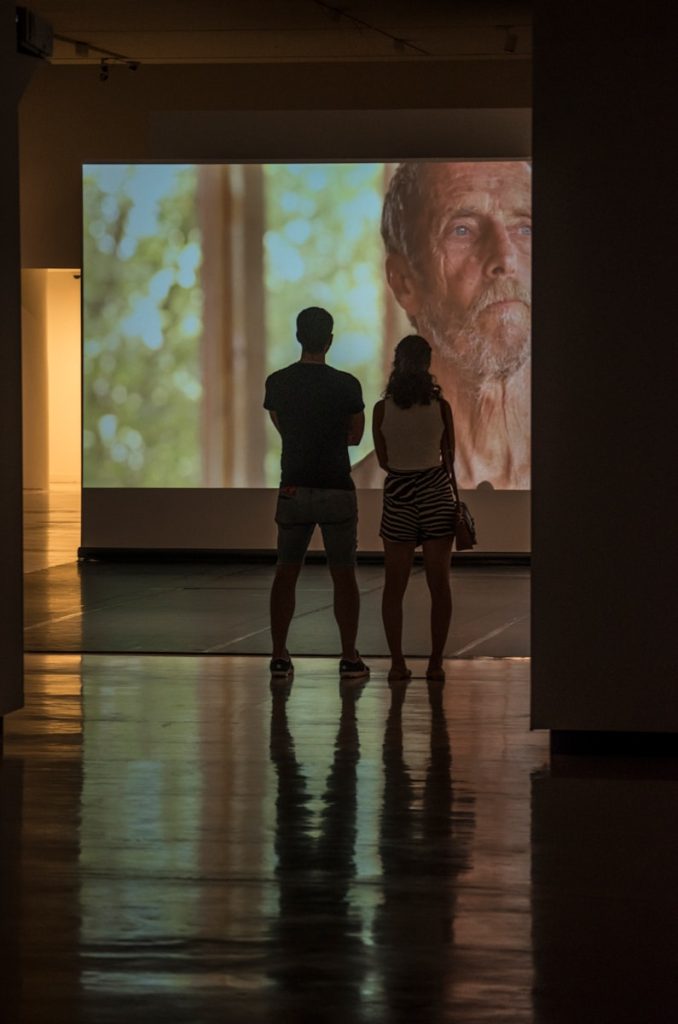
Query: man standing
{"points": [[318, 411], [458, 239]]}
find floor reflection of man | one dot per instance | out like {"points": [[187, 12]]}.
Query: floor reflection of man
{"points": [[424, 845], [318, 957]]}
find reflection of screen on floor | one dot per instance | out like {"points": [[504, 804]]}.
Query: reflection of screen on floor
{"points": [[193, 276]]}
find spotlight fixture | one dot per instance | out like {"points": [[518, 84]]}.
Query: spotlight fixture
{"points": [[103, 70]]}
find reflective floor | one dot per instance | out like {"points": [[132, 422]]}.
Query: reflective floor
{"points": [[220, 608], [201, 608], [51, 527], [183, 842]]}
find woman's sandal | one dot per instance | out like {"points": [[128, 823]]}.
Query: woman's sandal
{"points": [[435, 675], [399, 675]]}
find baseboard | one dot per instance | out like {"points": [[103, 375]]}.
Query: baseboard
{"points": [[268, 556], [613, 744]]}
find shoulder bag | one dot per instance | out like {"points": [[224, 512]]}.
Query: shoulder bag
{"points": [[465, 529]]}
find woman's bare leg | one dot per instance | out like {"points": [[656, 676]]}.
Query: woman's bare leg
{"points": [[437, 554], [397, 565]]}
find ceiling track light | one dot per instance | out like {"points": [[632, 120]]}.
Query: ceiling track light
{"points": [[84, 49], [104, 63], [343, 14], [333, 13]]}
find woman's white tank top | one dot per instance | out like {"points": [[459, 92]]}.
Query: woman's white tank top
{"points": [[412, 435]]}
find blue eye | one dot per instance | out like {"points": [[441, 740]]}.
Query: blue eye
{"points": [[461, 230], [525, 230]]}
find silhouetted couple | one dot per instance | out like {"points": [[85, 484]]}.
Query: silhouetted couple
{"points": [[319, 412]]}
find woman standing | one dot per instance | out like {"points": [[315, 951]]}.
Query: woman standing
{"points": [[414, 441]]}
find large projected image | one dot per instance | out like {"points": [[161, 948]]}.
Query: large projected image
{"points": [[193, 277]]}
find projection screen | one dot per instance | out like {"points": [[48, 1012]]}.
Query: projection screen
{"points": [[193, 275]]}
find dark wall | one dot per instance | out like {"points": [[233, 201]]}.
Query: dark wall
{"points": [[14, 74], [69, 117], [604, 347]]}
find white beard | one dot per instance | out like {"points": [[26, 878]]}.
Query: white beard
{"points": [[461, 343]]}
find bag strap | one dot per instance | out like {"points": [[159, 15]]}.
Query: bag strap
{"points": [[455, 489], [453, 478]]}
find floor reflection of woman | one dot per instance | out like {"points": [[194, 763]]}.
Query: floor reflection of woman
{"points": [[423, 847], [414, 441]]}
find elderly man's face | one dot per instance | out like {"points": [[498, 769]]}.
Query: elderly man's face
{"points": [[471, 273]]}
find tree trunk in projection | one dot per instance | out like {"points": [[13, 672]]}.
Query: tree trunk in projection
{"points": [[214, 214], [396, 325], [250, 332], [231, 205]]}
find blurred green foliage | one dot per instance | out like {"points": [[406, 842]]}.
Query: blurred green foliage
{"points": [[142, 321], [143, 316], [323, 248]]}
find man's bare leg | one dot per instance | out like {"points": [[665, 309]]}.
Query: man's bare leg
{"points": [[283, 594], [346, 608]]}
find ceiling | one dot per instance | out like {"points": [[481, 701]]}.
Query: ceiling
{"points": [[280, 31]]}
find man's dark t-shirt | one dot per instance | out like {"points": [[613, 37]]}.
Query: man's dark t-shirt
{"points": [[314, 403]]}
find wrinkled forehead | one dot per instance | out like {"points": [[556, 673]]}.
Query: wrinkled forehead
{"points": [[494, 189], [503, 187]]}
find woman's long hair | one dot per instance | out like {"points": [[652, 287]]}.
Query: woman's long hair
{"points": [[410, 382]]}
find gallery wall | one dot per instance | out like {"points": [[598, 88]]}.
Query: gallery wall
{"points": [[15, 73], [605, 544], [76, 119], [68, 117]]}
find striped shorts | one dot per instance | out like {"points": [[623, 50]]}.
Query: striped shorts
{"points": [[418, 506]]}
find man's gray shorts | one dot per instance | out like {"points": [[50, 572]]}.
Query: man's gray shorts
{"points": [[300, 509]]}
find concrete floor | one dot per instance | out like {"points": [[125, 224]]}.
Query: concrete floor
{"points": [[183, 841], [219, 609], [210, 608]]}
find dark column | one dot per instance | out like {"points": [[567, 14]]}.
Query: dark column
{"points": [[13, 76], [605, 657]]}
